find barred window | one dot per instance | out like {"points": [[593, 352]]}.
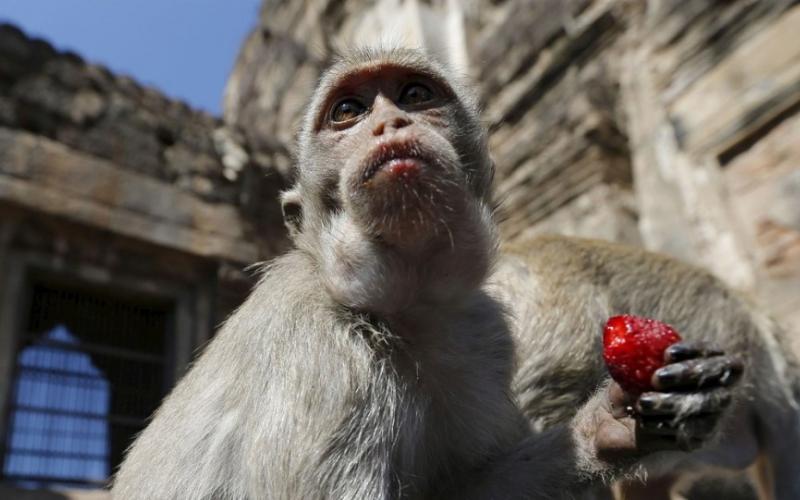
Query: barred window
{"points": [[90, 369]]}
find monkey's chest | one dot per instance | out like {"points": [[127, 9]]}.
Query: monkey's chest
{"points": [[454, 418]]}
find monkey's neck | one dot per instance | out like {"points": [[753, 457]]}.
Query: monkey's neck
{"points": [[368, 275], [442, 391]]}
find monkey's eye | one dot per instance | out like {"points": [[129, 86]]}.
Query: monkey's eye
{"points": [[415, 93], [346, 110]]}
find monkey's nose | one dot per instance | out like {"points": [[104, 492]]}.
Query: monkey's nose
{"points": [[392, 123]]}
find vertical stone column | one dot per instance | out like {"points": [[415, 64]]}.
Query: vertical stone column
{"points": [[11, 282], [436, 27], [680, 196]]}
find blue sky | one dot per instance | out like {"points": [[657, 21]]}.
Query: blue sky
{"points": [[185, 48]]}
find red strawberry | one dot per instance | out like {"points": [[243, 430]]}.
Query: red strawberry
{"points": [[633, 348]]}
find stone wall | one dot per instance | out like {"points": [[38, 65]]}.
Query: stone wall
{"points": [[671, 125], [163, 170], [715, 91]]}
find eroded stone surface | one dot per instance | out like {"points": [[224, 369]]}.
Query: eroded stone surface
{"points": [[641, 108]]}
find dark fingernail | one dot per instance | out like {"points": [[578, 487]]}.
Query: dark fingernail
{"points": [[675, 348], [675, 351], [647, 402], [668, 374]]}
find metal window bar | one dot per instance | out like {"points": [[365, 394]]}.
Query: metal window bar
{"points": [[88, 374]]}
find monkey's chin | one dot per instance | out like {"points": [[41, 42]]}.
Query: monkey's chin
{"points": [[407, 220], [411, 236]]}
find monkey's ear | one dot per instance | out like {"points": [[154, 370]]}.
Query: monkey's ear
{"points": [[292, 211]]}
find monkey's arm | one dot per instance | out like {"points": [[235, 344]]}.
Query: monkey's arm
{"points": [[563, 290], [614, 434], [597, 446], [683, 412], [543, 466]]}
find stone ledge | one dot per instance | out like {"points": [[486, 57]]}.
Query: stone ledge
{"points": [[46, 176]]}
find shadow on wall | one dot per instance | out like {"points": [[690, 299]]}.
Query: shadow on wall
{"points": [[9, 492], [17, 494]]}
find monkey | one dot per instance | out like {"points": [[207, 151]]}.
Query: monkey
{"points": [[371, 361], [560, 288]]}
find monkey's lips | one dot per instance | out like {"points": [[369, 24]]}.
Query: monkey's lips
{"points": [[406, 169], [401, 161]]}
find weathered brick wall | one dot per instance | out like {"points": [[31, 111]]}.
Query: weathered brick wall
{"points": [[142, 163], [84, 106], [709, 90]]}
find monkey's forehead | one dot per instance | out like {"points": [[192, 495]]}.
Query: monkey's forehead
{"points": [[370, 61], [357, 65]]}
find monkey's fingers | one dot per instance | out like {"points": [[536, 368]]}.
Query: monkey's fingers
{"points": [[696, 427], [681, 405], [651, 443], [699, 373], [682, 351], [684, 434]]}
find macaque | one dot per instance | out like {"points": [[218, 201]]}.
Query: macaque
{"points": [[561, 289], [372, 361]]}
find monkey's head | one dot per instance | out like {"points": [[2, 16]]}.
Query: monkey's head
{"points": [[392, 160]]}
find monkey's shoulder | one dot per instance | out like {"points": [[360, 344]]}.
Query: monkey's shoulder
{"points": [[570, 260], [288, 283], [585, 281]]}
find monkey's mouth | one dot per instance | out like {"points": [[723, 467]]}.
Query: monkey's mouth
{"points": [[400, 160]]}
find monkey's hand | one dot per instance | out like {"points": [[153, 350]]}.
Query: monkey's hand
{"points": [[691, 394]]}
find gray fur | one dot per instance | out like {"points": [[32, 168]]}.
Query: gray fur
{"points": [[358, 369], [298, 398]]}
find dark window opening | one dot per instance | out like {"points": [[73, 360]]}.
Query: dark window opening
{"points": [[90, 368]]}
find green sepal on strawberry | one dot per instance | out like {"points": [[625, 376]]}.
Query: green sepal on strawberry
{"points": [[633, 348]]}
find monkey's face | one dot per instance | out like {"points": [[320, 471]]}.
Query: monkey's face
{"points": [[392, 147], [392, 188]]}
